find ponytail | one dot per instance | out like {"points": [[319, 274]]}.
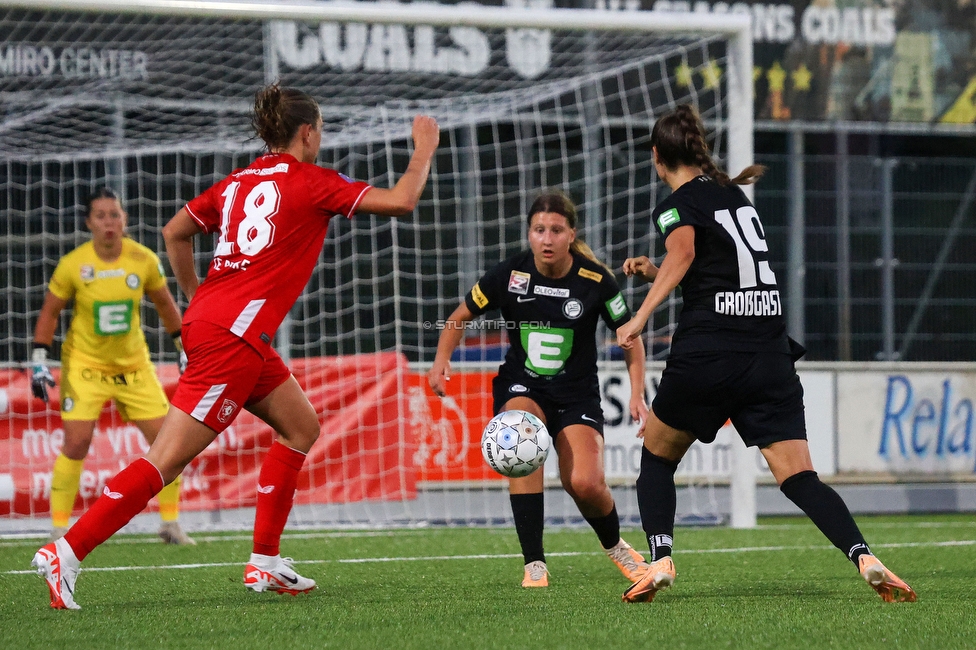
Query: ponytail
{"points": [[279, 112], [581, 248]]}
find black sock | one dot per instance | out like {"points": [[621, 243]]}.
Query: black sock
{"points": [[828, 511], [529, 513], [607, 527], [657, 501]]}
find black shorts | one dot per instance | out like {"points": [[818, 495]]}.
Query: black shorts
{"points": [[560, 412], [759, 392]]}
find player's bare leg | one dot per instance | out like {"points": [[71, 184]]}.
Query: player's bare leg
{"points": [[580, 451]]}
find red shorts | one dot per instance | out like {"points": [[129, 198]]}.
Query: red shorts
{"points": [[223, 374]]}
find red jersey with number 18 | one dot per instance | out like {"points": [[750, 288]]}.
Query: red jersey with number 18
{"points": [[271, 218]]}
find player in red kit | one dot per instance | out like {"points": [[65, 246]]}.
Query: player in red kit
{"points": [[271, 219]]}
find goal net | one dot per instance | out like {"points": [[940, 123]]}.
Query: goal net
{"points": [[154, 102]]}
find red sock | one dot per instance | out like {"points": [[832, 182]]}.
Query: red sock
{"points": [[123, 498], [276, 492]]}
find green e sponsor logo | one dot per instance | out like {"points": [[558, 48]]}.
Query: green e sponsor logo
{"points": [[113, 318], [546, 348], [667, 218], [616, 306]]}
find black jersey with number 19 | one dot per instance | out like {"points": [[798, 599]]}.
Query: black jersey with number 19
{"points": [[731, 299]]}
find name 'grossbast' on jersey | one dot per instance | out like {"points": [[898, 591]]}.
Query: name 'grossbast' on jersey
{"points": [[271, 219], [551, 322], [731, 299]]}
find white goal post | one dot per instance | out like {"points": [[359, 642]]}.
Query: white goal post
{"points": [[528, 97]]}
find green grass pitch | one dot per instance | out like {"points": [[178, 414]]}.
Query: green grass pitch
{"points": [[779, 586]]}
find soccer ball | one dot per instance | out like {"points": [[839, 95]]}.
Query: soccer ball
{"points": [[515, 443]]}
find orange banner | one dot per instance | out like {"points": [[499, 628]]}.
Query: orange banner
{"points": [[448, 431], [365, 451]]}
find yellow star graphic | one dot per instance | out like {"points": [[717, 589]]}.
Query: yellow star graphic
{"points": [[776, 77], [682, 75], [801, 78], [711, 74]]}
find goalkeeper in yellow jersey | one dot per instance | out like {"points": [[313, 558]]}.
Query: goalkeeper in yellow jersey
{"points": [[104, 355]]}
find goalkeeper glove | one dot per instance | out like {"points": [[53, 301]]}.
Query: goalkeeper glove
{"points": [[178, 342], [40, 375]]}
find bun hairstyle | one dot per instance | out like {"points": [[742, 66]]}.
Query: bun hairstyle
{"points": [[279, 112], [680, 140], [559, 203]]}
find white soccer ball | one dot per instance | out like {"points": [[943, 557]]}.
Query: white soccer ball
{"points": [[515, 443]]}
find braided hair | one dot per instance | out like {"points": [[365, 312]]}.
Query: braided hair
{"points": [[679, 138], [279, 112]]}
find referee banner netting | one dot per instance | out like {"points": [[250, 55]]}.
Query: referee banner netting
{"points": [[156, 106]]}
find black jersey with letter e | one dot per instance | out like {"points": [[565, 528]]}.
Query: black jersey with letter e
{"points": [[551, 322]]}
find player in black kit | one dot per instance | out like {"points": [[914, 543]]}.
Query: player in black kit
{"points": [[551, 298], [730, 356]]}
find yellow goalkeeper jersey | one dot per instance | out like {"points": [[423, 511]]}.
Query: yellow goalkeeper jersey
{"points": [[106, 331]]}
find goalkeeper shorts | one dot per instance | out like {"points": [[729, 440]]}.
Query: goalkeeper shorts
{"points": [[137, 393]]}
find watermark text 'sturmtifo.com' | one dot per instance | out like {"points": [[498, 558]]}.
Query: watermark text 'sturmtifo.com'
{"points": [[486, 324]]}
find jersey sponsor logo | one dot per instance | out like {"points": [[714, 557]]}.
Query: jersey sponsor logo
{"points": [[553, 292], [517, 388], [479, 296], [87, 273], [112, 318], [280, 168], [748, 303], [616, 306], [590, 275], [111, 273], [667, 218], [226, 411], [572, 308], [518, 282], [132, 281], [546, 348]]}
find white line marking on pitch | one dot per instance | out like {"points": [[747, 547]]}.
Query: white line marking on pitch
{"points": [[28, 539], [505, 556]]}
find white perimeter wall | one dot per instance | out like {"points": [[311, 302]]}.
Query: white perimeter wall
{"points": [[872, 421]]}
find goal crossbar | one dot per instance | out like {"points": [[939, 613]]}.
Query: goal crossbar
{"points": [[737, 27]]}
